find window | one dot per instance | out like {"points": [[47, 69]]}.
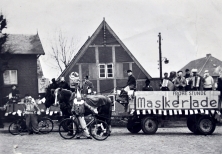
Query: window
{"points": [[105, 70], [10, 77], [110, 70], [102, 71]]}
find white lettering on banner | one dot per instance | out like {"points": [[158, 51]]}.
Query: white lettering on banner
{"points": [[177, 100]]}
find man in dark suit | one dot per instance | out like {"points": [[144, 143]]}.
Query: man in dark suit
{"points": [[131, 80]]}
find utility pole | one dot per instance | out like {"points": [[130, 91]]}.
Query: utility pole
{"points": [[160, 55]]}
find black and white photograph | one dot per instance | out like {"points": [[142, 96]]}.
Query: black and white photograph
{"points": [[110, 76]]}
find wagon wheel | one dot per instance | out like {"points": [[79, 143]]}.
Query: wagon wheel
{"points": [[149, 125], [192, 124], [133, 126], [206, 125]]}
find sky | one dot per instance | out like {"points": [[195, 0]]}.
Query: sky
{"points": [[190, 29]]}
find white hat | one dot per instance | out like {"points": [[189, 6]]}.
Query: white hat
{"points": [[194, 70], [206, 71]]}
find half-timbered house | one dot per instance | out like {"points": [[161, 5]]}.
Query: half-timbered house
{"points": [[105, 59]]}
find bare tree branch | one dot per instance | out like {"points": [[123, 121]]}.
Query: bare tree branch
{"points": [[63, 50]]}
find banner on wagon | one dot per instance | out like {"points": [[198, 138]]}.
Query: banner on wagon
{"points": [[164, 100]]}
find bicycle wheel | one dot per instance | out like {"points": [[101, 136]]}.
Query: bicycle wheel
{"points": [[99, 130], [68, 129], [15, 128], [45, 125]]}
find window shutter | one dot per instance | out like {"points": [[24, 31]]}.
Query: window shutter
{"points": [[93, 71], [119, 70]]}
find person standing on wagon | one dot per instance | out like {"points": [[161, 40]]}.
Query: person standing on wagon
{"points": [[30, 114], [87, 86], [196, 81], [180, 82], [188, 78], [208, 81], [164, 83]]}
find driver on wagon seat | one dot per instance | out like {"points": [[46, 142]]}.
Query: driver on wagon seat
{"points": [[131, 85]]}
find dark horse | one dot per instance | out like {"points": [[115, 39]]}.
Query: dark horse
{"points": [[103, 104], [49, 97]]}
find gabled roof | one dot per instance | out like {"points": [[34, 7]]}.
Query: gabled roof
{"points": [[23, 44], [209, 63], [91, 39]]}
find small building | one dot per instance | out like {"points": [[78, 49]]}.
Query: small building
{"points": [[105, 59], [209, 63], [20, 64]]}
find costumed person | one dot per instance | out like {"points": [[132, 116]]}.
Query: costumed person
{"points": [[63, 84], [196, 81], [147, 86], [164, 82], [74, 81], [78, 110], [188, 78], [180, 82], [30, 114], [208, 81]]}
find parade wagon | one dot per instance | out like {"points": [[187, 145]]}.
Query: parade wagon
{"points": [[200, 109]]}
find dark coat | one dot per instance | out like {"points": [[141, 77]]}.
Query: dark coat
{"points": [[53, 85], [64, 85], [131, 82], [219, 84], [15, 92], [87, 85], [188, 78]]}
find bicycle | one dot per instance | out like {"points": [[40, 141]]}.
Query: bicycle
{"points": [[45, 126], [98, 129]]}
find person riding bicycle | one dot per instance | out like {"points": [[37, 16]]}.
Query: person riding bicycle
{"points": [[30, 114], [78, 109], [79, 104]]}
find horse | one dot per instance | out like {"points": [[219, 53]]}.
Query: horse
{"points": [[49, 99], [103, 104]]}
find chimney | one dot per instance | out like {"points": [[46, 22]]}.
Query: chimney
{"points": [[208, 55]]}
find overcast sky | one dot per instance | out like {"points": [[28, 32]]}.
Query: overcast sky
{"points": [[190, 29]]}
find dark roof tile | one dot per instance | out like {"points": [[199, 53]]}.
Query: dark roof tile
{"points": [[24, 44], [209, 63]]}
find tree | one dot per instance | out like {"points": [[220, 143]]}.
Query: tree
{"points": [[3, 61], [3, 36], [63, 50]]}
